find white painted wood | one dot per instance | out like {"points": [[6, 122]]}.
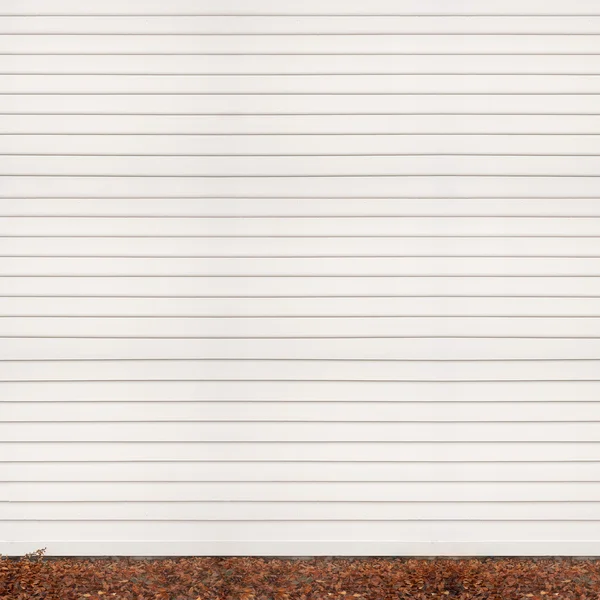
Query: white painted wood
{"points": [[311, 166], [301, 471], [296, 7], [300, 25], [306, 531], [557, 547], [303, 511], [302, 44], [296, 307], [361, 412], [151, 247], [273, 104], [301, 286], [302, 84], [276, 226], [300, 277], [117, 452], [298, 145], [308, 207], [299, 267], [301, 64], [371, 124], [302, 431], [309, 327], [390, 349], [303, 370], [295, 391], [115, 491], [442, 186]]}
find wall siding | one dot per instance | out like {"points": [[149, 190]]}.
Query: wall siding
{"points": [[300, 277]]}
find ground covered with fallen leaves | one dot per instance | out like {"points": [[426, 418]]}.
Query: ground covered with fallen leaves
{"points": [[36, 577]]}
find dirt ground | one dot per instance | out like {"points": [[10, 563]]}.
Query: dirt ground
{"points": [[36, 577]]}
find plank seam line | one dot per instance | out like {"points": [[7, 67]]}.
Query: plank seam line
{"points": [[373, 360], [333, 462], [293, 34], [247, 421], [259, 15], [275, 296], [354, 381]]}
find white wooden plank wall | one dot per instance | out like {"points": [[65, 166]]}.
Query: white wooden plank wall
{"points": [[300, 277]]}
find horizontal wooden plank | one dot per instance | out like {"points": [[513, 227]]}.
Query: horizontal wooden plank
{"points": [[310, 166], [304, 548], [310, 7], [306, 369], [41, 532], [310, 187], [305, 207], [116, 491], [348, 391], [299, 267], [298, 471], [310, 327], [299, 64], [303, 44], [299, 145], [295, 472], [300, 25], [322, 411], [344, 349], [321, 247], [301, 84], [288, 307], [510, 426], [301, 431], [301, 511], [297, 104], [297, 125], [302, 226], [298, 451], [301, 286]]}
